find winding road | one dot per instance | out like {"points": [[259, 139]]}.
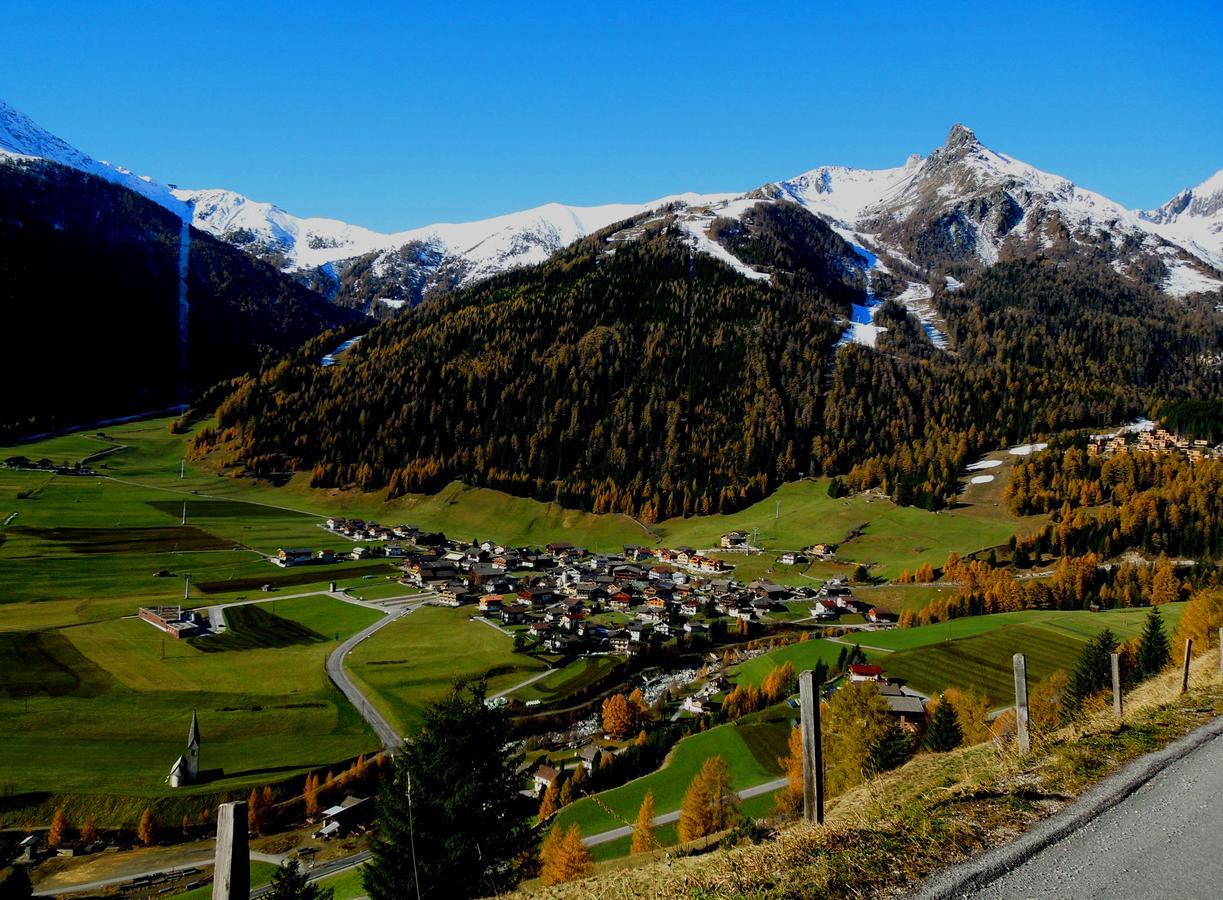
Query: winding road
{"points": [[339, 677]]}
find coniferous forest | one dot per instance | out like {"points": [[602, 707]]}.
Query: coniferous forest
{"points": [[632, 375]]}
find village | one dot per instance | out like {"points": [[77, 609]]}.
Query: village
{"points": [[562, 599], [1152, 440]]}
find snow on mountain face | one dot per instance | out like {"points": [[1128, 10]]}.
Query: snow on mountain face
{"points": [[23, 139], [1193, 219]]}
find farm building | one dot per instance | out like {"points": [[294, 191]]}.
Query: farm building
{"points": [[172, 620]]}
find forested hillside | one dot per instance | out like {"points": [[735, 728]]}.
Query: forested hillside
{"points": [[89, 282], [633, 376]]}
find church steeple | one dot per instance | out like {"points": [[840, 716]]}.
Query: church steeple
{"points": [[193, 736]]}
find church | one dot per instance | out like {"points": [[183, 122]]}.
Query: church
{"points": [[187, 767]]}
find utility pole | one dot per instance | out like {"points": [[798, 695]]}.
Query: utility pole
{"points": [[777, 511], [184, 520], [182, 468], [186, 585]]}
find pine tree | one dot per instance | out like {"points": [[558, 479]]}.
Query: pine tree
{"points": [[147, 832], [289, 882], [450, 814], [89, 831], [892, 750], [944, 732], [710, 803], [643, 829], [1154, 651], [1093, 673], [60, 830], [566, 796]]}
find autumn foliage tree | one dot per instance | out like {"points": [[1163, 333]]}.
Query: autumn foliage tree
{"points": [[789, 800], [643, 829], [563, 857], [60, 830], [1201, 621], [620, 716], [89, 831], [147, 830], [710, 804], [311, 795]]}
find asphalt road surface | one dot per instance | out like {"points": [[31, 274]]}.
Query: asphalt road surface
{"points": [[1164, 840], [338, 675]]}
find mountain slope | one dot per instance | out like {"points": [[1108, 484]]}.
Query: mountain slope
{"points": [[115, 308], [1193, 219], [632, 373], [21, 137]]}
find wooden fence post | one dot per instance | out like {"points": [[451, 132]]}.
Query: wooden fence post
{"points": [[1117, 684], [1188, 654], [813, 750], [1021, 704]]}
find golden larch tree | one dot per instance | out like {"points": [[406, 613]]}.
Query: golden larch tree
{"points": [[710, 804], [147, 832], [643, 829], [60, 830]]}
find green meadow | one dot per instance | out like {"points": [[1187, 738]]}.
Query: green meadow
{"points": [[113, 699], [751, 752], [415, 660]]}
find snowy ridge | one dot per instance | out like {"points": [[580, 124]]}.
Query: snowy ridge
{"points": [[21, 138], [1193, 219]]}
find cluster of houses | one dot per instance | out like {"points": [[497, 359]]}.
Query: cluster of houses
{"points": [[835, 599], [572, 600], [1156, 440]]}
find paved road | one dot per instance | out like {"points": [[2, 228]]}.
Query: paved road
{"points": [[339, 677], [1161, 841], [625, 830]]}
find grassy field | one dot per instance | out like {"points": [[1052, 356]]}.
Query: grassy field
{"points": [[414, 661], [802, 655], [566, 680], [979, 655], [114, 698], [973, 652], [750, 751]]}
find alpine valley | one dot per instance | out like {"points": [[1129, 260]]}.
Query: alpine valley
{"points": [[746, 335]]}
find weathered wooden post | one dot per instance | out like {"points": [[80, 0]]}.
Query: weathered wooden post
{"points": [[1221, 652], [231, 870], [813, 750], [1117, 685], [1021, 704], [1188, 654]]}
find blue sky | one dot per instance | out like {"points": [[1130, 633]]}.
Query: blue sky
{"points": [[393, 115]]}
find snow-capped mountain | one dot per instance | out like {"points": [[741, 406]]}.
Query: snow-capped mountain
{"points": [[21, 138], [1193, 219], [961, 207], [399, 268], [965, 205]]}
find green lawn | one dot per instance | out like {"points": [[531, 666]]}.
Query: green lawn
{"points": [[346, 885], [803, 655], [414, 661], [750, 752], [114, 698], [974, 652], [564, 681]]}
